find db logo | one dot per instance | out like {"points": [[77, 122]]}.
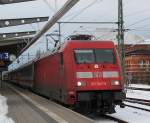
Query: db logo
{"points": [[96, 66]]}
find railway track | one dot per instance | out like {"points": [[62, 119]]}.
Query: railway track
{"points": [[97, 118], [115, 119], [138, 101], [142, 89], [144, 109]]}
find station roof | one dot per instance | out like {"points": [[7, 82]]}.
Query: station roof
{"points": [[13, 1], [11, 46], [14, 42]]}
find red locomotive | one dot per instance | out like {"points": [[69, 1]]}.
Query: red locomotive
{"points": [[80, 72]]}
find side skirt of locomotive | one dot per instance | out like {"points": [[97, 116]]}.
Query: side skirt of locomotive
{"points": [[101, 102]]}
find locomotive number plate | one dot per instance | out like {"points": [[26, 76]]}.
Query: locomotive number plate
{"points": [[98, 83]]}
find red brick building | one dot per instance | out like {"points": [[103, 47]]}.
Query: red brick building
{"points": [[138, 62]]}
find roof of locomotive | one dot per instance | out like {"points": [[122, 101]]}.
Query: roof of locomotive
{"points": [[85, 44], [72, 44]]}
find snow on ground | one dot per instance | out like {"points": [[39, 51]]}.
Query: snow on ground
{"points": [[139, 86], [138, 94], [4, 110], [138, 105], [132, 115]]}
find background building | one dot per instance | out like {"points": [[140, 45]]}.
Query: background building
{"points": [[138, 62]]}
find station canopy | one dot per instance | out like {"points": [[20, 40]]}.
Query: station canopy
{"points": [[13, 1], [11, 43]]}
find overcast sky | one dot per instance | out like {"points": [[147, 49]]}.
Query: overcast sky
{"points": [[85, 10], [136, 15]]}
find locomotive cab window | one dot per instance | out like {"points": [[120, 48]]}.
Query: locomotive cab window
{"points": [[95, 56], [84, 56], [105, 56]]}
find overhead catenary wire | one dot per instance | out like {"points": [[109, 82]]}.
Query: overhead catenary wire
{"points": [[49, 6], [130, 29], [104, 35], [146, 25], [148, 29], [137, 12], [77, 13], [139, 21], [83, 9], [134, 13], [66, 7]]}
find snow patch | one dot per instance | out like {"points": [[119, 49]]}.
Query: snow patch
{"points": [[132, 115], [138, 105], [138, 94], [4, 110], [139, 86]]}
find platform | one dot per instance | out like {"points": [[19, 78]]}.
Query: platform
{"points": [[27, 107]]}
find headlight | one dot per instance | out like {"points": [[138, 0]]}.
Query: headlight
{"points": [[79, 83], [115, 83]]}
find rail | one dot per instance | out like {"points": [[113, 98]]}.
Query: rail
{"points": [[142, 89], [138, 101]]}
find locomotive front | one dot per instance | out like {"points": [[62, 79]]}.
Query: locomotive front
{"points": [[97, 76]]}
